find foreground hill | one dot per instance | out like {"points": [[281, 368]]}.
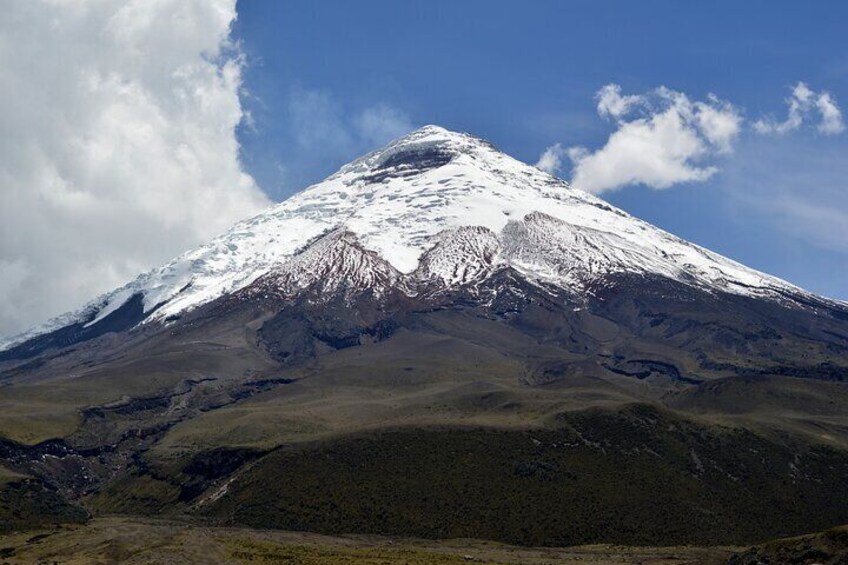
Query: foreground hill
{"points": [[138, 541]]}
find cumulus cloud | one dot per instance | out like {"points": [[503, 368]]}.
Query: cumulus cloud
{"points": [[119, 148], [551, 159], [719, 122], [802, 103], [611, 104], [662, 138]]}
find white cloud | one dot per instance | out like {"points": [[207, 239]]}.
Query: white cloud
{"points": [[796, 188], [831, 122], [613, 105], [322, 124], [662, 138], [119, 149], [381, 123], [551, 160], [822, 223], [719, 122], [802, 102]]}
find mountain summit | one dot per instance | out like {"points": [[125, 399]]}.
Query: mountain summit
{"points": [[449, 197]]}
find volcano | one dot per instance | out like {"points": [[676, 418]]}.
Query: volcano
{"points": [[441, 341]]}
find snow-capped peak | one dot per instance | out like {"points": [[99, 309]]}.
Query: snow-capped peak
{"points": [[336, 262], [401, 201], [460, 256]]}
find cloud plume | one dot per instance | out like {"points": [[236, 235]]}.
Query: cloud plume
{"points": [[119, 149]]}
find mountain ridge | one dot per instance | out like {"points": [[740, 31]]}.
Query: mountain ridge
{"points": [[399, 202]]}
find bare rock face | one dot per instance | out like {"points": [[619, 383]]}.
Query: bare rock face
{"points": [[334, 264], [460, 256]]}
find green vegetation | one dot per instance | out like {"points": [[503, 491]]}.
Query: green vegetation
{"points": [[147, 541], [27, 504], [637, 476], [255, 551], [825, 548]]}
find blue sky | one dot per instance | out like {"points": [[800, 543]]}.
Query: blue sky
{"points": [[325, 82]]}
